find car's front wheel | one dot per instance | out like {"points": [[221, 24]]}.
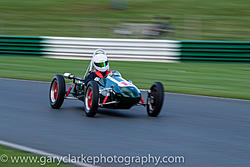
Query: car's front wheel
{"points": [[91, 98], [155, 99], [57, 91]]}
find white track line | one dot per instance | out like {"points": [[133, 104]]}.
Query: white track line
{"points": [[40, 152], [204, 96]]}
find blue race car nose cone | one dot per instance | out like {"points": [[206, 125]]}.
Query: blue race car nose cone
{"points": [[130, 91]]}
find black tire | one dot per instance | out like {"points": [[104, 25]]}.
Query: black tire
{"points": [[57, 91], [91, 98], [155, 99]]}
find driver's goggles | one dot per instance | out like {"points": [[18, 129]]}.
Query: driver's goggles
{"points": [[102, 64]]}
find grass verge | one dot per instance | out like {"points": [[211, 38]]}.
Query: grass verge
{"points": [[13, 159], [212, 79]]}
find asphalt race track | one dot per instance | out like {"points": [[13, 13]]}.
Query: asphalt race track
{"points": [[209, 132]]}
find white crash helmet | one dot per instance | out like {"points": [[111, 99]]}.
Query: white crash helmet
{"points": [[100, 60]]}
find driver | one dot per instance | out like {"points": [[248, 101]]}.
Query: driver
{"points": [[101, 65]]}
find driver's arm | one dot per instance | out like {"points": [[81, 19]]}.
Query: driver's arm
{"points": [[89, 77]]}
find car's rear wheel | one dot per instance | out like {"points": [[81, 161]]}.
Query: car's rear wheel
{"points": [[155, 99], [91, 99], [57, 91]]}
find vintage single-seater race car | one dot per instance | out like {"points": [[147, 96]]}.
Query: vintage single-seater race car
{"points": [[112, 92]]}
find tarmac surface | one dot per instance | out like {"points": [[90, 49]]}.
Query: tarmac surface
{"points": [[207, 131]]}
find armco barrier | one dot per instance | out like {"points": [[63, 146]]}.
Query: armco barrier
{"points": [[83, 48], [215, 51], [125, 49], [20, 45], [117, 49]]}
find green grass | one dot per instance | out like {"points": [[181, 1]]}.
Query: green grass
{"points": [[191, 19], [12, 154], [212, 79]]}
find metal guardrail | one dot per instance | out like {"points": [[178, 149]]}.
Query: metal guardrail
{"points": [[117, 49], [125, 49], [20, 45], [215, 51]]}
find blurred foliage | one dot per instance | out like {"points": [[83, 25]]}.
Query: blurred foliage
{"points": [[191, 19]]}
